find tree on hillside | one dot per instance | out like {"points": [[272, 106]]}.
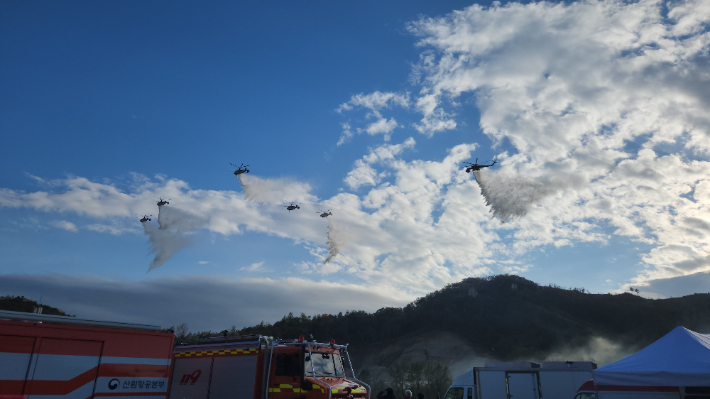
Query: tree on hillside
{"points": [[415, 376], [438, 380], [181, 331], [398, 378]]}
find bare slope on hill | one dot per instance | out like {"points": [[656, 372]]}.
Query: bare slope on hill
{"points": [[437, 347]]}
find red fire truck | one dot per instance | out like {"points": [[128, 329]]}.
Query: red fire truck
{"points": [[56, 357]]}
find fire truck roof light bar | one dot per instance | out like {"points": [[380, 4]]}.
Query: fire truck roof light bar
{"points": [[289, 342], [46, 318]]}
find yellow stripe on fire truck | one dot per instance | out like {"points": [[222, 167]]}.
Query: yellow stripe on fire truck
{"points": [[354, 390], [218, 353], [289, 388]]}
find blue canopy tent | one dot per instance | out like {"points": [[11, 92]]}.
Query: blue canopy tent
{"points": [[681, 358]]}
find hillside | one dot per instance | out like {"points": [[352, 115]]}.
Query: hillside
{"points": [[22, 304], [507, 317]]}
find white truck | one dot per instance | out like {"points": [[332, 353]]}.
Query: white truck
{"points": [[521, 380]]}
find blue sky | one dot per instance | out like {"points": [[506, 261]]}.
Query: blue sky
{"points": [[106, 105], [99, 90]]}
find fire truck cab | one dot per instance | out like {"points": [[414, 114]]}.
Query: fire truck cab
{"points": [[257, 367]]}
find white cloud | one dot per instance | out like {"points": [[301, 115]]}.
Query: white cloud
{"points": [[381, 126], [374, 102], [365, 174], [203, 262], [362, 174], [253, 267], [570, 85], [346, 135], [63, 224]]}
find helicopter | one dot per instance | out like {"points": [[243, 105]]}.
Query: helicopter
{"points": [[475, 166], [145, 218], [240, 169], [162, 202], [325, 214], [292, 207]]}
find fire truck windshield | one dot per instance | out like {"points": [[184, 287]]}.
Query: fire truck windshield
{"points": [[324, 365]]}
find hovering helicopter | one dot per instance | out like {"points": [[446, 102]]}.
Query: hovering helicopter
{"points": [[325, 214], [240, 169], [476, 166], [292, 207], [162, 202], [145, 218]]}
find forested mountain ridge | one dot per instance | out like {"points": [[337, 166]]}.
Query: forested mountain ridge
{"points": [[22, 304], [507, 317]]}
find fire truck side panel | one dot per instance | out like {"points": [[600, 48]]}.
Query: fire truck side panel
{"points": [[66, 367], [78, 362], [260, 378], [191, 378], [233, 377], [15, 355]]}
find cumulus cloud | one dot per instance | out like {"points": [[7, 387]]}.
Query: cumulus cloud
{"points": [[195, 300], [64, 225], [364, 174], [586, 92], [253, 267], [382, 126], [346, 135], [374, 103]]}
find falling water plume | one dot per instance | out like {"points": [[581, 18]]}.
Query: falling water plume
{"points": [[171, 234], [335, 240], [272, 190], [512, 198]]}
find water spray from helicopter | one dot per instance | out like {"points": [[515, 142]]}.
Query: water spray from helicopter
{"points": [[334, 239], [511, 198], [274, 190], [171, 234]]}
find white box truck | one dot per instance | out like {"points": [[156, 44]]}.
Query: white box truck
{"points": [[521, 380]]}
